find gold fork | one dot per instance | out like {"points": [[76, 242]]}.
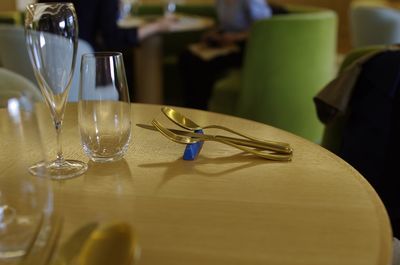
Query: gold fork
{"points": [[186, 123], [189, 140]]}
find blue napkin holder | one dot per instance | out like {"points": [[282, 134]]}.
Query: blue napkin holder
{"points": [[193, 150]]}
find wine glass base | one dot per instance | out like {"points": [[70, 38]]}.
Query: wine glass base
{"points": [[38, 169], [56, 170]]}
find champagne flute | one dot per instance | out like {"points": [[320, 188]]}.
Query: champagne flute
{"points": [[52, 40], [25, 201]]}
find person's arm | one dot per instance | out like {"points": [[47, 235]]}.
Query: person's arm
{"points": [[114, 36], [152, 28]]}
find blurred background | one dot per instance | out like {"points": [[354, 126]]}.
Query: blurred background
{"points": [[341, 7]]}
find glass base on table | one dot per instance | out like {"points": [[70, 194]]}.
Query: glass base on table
{"points": [[59, 170]]}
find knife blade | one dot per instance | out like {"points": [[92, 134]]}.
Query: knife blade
{"points": [[246, 142]]}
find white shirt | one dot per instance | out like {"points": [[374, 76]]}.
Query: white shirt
{"points": [[238, 15]]}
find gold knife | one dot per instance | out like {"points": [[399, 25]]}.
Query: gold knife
{"points": [[256, 144]]}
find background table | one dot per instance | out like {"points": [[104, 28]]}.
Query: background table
{"points": [[226, 207], [148, 56]]}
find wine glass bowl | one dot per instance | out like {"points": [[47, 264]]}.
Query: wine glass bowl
{"points": [[25, 200], [52, 40]]}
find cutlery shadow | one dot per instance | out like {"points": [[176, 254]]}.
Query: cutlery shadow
{"points": [[174, 168]]}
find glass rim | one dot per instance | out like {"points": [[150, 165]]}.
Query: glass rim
{"points": [[101, 54], [51, 4]]}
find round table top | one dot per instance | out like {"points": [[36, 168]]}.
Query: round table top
{"points": [[225, 207]]}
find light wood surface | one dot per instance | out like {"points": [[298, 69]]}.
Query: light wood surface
{"points": [[381, 3], [7, 5], [225, 207]]}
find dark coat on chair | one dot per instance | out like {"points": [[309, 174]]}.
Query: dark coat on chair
{"points": [[371, 133]]}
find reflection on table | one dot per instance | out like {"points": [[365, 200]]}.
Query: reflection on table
{"points": [[225, 207]]}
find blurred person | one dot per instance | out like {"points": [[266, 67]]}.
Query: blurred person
{"points": [[235, 18], [97, 21]]}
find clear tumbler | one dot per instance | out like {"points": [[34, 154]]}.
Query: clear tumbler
{"points": [[104, 108]]}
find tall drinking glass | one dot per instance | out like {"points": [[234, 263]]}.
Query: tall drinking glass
{"points": [[52, 39], [25, 200], [128, 8], [104, 108], [170, 8]]}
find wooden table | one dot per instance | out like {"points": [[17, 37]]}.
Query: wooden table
{"points": [[226, 207], [382, 3], [148, 56]]}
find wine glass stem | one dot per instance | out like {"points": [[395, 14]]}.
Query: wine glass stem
{"points": [[60, 157], [2, 210]]}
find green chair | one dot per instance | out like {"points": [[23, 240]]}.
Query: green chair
{"points": [[288, 58]]}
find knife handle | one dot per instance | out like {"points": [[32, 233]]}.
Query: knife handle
{"points": [[258, 144]]}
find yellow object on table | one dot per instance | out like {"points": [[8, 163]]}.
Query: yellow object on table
{"points": [[112, 244]]}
